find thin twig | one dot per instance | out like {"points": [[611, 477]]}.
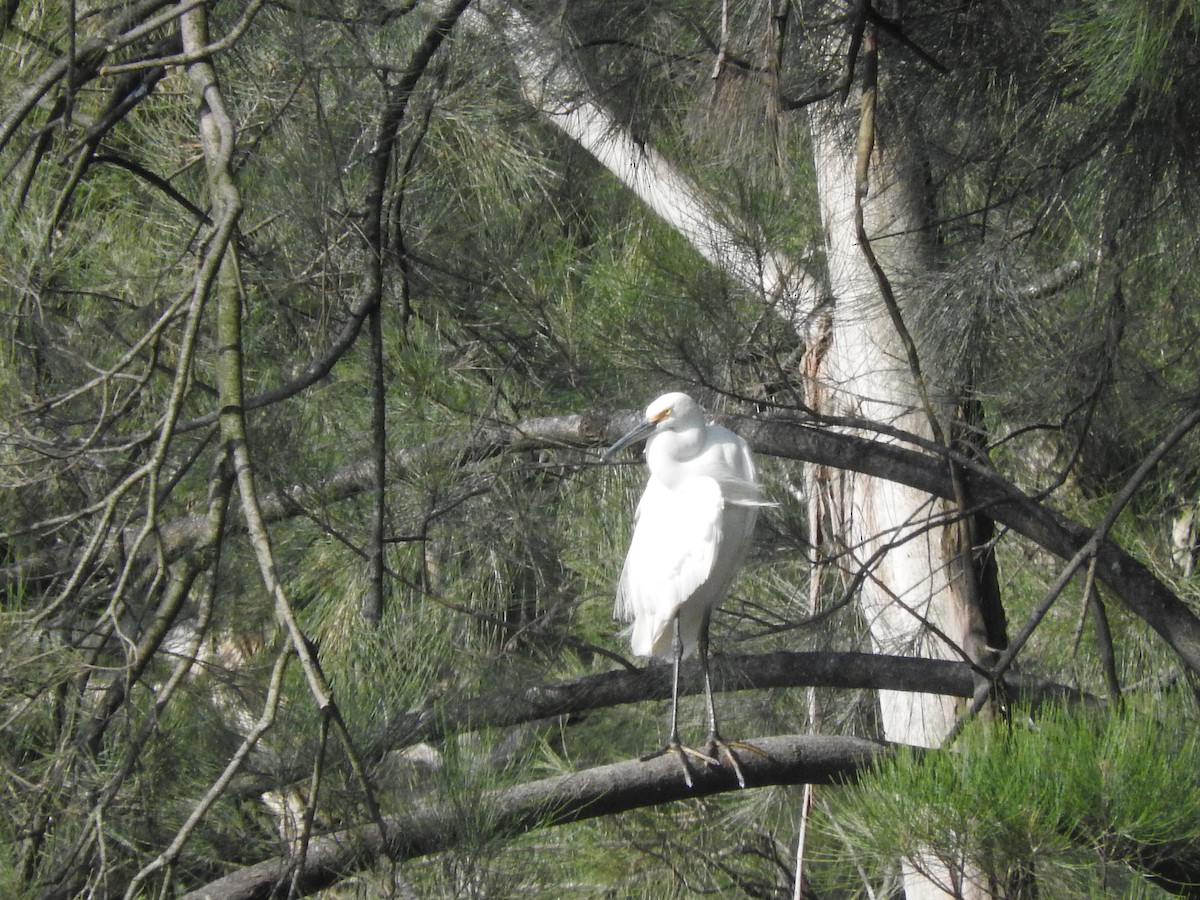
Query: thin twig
{"points": [[1084, 555], [181, 59], [264, 723]]}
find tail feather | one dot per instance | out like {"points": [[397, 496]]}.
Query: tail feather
{"points": [[651, 636]]}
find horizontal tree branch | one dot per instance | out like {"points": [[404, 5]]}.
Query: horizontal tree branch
{"points": [[515, 705], [607, 790], [1131, 581], [741, 672], [601, 791], [1127, 577]]}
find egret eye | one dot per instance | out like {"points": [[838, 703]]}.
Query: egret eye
{"points": [[693, 528]]}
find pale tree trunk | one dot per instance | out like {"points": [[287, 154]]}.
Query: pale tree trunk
{"points": [[554, 85], [913, 596], [863, 374]]}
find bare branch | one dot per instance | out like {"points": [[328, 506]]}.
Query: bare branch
{"points": [[216, 791], [555, 86], [601, 791], [179, 59], [1127, 577], [739, 672], [517, 705], [1087, 553], [79, 67]]}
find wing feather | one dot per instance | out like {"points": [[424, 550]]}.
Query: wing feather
{"points": [[675, 541]]}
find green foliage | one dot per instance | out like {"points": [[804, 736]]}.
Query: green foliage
{"points": [[521, 279], [1072, 802], [1136, 61]]}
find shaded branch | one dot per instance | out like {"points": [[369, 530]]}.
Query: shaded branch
{"points": [[600, 791], [79, 67], [375, 239], [740, 672], [1128, 578], [155, 180], [1050, 283], [515, 705], [1088, 552]]}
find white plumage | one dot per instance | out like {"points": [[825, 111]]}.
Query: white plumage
{"points": [[692, 531], [693, 526]]}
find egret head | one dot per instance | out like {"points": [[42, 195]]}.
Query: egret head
{"points": [[673, 410], [670, 411]]}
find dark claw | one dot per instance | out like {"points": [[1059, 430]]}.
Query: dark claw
{"points": [[682, 753], [719, 749]]}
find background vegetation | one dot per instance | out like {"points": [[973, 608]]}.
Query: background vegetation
{"points": [[216, 611]]}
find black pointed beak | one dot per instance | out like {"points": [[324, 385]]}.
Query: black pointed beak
{"points": [[635, 434]]}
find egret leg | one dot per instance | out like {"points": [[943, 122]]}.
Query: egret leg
{"points": [[673, 743], [677, 647], [717, 748]]}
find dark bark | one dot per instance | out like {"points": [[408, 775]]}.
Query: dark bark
{"points": [[781, 669], [609, 790], [80, 66], [601, 791], [1131, 581], [511, 706]]}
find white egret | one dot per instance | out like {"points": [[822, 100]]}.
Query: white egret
{"points": [[692, 530]]}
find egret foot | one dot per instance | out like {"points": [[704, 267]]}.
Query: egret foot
{"points": [[682, 753], [721, 750]]}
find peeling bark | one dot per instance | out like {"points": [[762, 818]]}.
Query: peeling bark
{"points": [[917, 598]]}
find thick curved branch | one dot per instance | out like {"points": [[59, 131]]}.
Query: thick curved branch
{"points": [[1130, 580], [601, 791], [1137, 587], [517, 705], [740, 672], [556, 87]]}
